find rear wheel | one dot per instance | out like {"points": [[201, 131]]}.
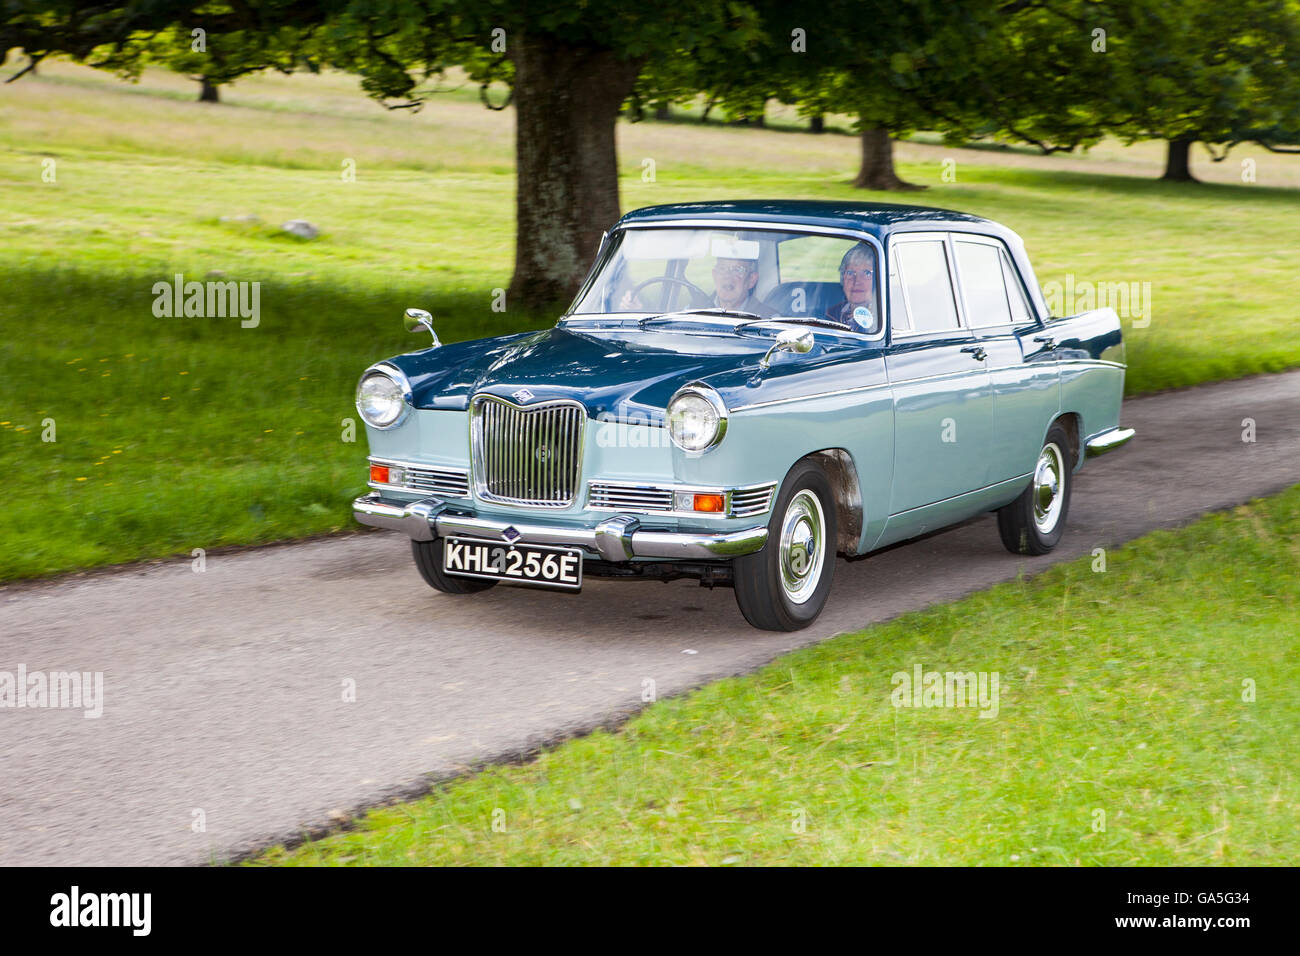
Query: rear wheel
{"points": [[1034, 522], [428, 559], [784, 587]]}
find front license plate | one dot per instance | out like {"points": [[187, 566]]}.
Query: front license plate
{"points": [[525, 563]]}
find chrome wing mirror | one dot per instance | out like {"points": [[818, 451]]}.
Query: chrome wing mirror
{"points": [[416, 319], [791, 340]]}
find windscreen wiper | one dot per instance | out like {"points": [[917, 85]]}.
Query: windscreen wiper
{"points": [[717, 311], [714, 311], [806, 320]]}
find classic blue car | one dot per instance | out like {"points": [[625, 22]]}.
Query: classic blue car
{"points": [[740, 392]]}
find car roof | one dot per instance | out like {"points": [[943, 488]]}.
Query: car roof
{"points": [[875, 218]]}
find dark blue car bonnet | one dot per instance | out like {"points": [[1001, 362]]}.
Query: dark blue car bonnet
{"points": [[610, 370]]}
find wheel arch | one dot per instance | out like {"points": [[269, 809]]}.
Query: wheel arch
{"points": [[849, 510], [1071, 422]]}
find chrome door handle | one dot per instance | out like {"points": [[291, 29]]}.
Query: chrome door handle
{"points": [[1049, 343], [977, 351]]}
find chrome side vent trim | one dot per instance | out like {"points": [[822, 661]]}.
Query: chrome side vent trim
{"points": [[430, 479], [445, 482], [755, 500], [619, 497], [662, 499]]}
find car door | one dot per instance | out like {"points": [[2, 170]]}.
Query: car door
{"points": [[1021, 359], [943, 406]]}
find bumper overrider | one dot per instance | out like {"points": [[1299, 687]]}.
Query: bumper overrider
{"points": [[619, 538]]}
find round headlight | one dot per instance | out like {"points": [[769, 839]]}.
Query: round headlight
{"points": [[380, 399], [697, 418]]}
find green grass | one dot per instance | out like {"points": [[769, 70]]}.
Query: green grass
{"points": [[180, 433], [1120, 691]]}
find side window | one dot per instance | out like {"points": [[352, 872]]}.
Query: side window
{"points": [[1015, 292], [982, 281], [897, 304], [928, 284]]}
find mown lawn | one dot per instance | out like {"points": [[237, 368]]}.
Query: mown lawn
{"points": [[181, 433], [1146, 716]]}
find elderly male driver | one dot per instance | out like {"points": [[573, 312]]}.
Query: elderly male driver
{"points": [[857, 279], [734, 280]]}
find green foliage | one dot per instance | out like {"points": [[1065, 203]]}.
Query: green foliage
{"points": [[1059, 75], [1205, 71]]}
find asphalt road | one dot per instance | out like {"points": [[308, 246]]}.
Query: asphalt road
{"points": [[224, 690]]}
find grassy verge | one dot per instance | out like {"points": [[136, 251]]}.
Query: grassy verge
{"points": [[1121, 737], [176, 433]]}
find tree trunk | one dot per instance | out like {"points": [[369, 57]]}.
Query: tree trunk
{"points": [[662, 112], [1178, 161], [566, 165], [817, 123], [877, 171], [209, 92]]}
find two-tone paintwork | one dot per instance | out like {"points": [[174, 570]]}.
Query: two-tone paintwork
{"points": [[931, 434]]}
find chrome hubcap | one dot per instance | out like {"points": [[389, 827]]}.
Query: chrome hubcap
{"points": [[803, 546], [1049, 485]]}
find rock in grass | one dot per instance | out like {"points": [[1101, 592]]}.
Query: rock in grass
{"points": [[301, 228]]}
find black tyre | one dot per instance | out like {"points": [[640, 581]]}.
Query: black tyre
{"points": [[428, 558], [1034, 522], [784, 587]]}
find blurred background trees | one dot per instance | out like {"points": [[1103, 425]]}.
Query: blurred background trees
{"points": [[1056, 74]]}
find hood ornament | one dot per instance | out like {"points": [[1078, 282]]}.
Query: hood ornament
{"points": [[522, 395]]}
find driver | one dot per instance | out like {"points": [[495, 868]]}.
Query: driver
{"points": [[857, 279], [734, 280]]}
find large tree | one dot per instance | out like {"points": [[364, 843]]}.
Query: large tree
{"points": [[895, 67], [215, 61], [1205, 71], [1061, 73], [571, 65]]}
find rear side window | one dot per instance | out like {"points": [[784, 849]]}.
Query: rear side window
{"points": [[1019, 307], [927, 283], [897, 304], [983, 283]]}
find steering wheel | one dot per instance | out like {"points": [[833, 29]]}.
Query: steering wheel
{"points": [[699, 298]]}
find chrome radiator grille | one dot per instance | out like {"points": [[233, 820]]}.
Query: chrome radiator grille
{"points": [[527, 456]]}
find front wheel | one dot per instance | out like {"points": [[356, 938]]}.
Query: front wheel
{"points": [[784, 586], [1034, 522], [428, 559]]}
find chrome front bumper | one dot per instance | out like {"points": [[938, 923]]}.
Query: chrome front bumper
{"points": [[619, 538]]}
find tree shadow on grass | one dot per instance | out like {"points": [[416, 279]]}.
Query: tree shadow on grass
{"points": [[37, 303], [1143, 187]]}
